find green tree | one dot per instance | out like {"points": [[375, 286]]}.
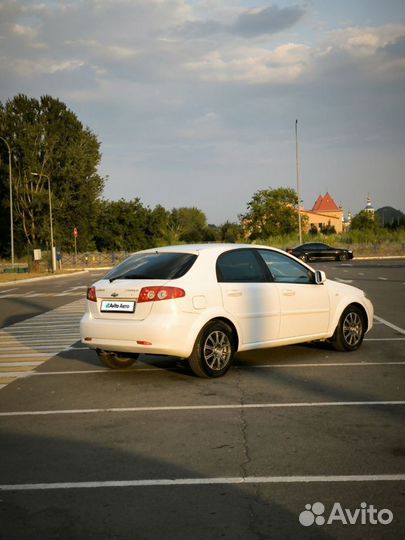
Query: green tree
{"points": [[50, 144], [230, 232], [122, 226], [271, 212], [187, 224], [365, 221]]}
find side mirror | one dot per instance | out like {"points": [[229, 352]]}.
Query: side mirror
{"points": [[320, 277]]}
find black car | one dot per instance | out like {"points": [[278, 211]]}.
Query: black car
{"points": [[317, 251]]}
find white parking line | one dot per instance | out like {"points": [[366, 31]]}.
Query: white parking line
{"points": [[390, 325], [383, 278], [236, 406], [163, 369], [159, 482], [385, 339]]}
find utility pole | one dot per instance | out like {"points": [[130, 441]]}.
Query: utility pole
{"points": [[53, 249], [297, 161], [11, 200]]}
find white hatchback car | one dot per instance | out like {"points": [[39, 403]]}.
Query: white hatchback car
{"points": [[205, 302]]}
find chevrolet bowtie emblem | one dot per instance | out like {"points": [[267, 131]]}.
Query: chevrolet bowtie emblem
{"points": [[114, 294]]}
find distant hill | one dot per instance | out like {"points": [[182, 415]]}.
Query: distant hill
{"points": [[389, 216]]}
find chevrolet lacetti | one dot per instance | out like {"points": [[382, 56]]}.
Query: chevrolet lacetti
{"points": [[205, 302]]}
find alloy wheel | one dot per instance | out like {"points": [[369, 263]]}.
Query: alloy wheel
{"points": [[217, 350], [352, 328]]}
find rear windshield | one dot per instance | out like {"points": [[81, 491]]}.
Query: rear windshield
{"points": [[153, 266]]}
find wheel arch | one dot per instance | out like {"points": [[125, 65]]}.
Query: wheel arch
{"points": [[340, 312], [229, 323], [363, 311]]}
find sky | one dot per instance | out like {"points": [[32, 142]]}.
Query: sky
{"points": [[194, 102]]}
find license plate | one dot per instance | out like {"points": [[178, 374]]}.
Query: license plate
{"points": [[117, 306]]}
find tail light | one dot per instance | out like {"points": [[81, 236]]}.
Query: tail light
{"points": [[289, 251], [153, 294], [91, 294]]}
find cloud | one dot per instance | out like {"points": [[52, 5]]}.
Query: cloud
{"points": [[256, 22], [253, 65], [248, 24], [172, 86]]}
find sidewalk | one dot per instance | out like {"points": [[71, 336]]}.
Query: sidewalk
{"points": [[52, 276]]}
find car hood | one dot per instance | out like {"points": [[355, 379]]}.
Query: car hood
{"points": [[344, 288]]}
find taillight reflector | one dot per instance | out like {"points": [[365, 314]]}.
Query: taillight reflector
{"points": [[91, 294], [154, 294]]}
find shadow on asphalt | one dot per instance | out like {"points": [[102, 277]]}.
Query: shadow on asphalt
{"points": [[198, 512]]}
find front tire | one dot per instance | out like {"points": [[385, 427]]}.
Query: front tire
{"points": [[350, 331], [116, 360], [342, 257], [213, 351]]}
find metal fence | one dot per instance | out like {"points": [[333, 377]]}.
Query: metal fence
{"points": [[64, 261]]}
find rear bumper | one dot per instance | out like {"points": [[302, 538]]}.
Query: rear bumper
{"points": [[167, 337]]}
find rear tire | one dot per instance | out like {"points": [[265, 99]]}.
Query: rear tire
{"points": [[350, 331], [116, 360], [213, 351]]}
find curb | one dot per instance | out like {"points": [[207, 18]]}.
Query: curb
{"points": [[385, 257]]}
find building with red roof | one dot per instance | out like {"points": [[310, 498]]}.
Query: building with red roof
{"points": [[325, 212]]}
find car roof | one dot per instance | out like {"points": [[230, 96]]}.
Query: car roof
{"points": [[197, 248]]}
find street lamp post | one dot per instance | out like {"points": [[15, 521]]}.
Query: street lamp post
{"points": [[53, 250], [297, 160], [11, 200]]}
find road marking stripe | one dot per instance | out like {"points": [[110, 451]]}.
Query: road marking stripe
{"points": [[390, 325], [43, 354], [4, 370], [6, 380], [13, 363], [326, 364], [28, 341], [344, 280], [206, 481], [35, 348], [163, 369], [15, 374], [386, 339], [24, 329], [383, 278], [53, 331], [237, 406]]}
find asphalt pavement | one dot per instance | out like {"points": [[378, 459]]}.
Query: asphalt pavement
{"points": [[299, 442]]}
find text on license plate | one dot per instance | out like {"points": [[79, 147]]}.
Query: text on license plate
{"points": [[117, 306]]}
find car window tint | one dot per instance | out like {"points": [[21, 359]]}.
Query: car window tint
{"points": [[240, 266], [284, 269], [153, 266]]}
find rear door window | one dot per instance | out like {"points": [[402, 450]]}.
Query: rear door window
{"points": [[240, 266]]}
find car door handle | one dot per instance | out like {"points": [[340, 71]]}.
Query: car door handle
{"points": [[234, 293], [288, 292]]}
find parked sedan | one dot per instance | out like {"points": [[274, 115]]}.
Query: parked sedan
{"points": [[205, 302], [317, 251]]}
